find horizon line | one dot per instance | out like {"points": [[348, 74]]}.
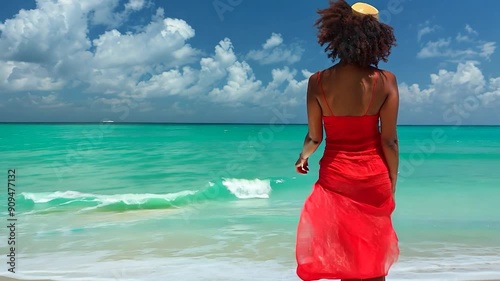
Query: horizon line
{"points": [[210, 123]]}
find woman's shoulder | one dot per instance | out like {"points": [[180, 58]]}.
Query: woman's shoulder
{"points": [[386, 73], [314, 77]]}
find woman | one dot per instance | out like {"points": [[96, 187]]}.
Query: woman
{"points": [[345, 229]]}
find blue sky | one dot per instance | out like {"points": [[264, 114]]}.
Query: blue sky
{"points": [[231, 60]]}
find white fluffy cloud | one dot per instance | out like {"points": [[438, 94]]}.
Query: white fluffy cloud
{"points": [[121, 61], [25, 76], [104, 12], [275, 51], [135, 5], [40, 101], [162, 42], [460, 48], [188, 81], [222, 78], [449, 88], [48, 50], [49, 61], [241, 85], [54, 53], [425, 29]]}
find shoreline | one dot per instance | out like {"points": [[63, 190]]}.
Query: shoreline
{"points": [[3, 278]]}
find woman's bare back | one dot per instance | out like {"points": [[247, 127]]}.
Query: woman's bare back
{"points": [[349, 90]]}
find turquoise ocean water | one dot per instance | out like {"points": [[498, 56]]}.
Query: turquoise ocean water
{"points": [[221, 202]]}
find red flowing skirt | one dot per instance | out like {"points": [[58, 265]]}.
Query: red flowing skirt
{"points": [[345, 229]]}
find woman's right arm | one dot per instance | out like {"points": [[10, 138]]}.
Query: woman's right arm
{"points": [[388, 120]]}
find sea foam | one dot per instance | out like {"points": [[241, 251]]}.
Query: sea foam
{"points": [[247, 189]]}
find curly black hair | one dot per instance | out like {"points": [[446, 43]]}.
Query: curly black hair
{"points": [[353, 38]]}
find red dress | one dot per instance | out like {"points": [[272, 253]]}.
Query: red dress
{"points": [[345, 229]]}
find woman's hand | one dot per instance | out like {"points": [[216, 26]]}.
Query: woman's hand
{"points": [[394, 179], [302, 165]]}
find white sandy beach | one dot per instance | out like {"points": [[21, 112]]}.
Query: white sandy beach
{"points": [[15, 279]]}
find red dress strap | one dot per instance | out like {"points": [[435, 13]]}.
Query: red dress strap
{"points": [[373, 92], [323, 92]]}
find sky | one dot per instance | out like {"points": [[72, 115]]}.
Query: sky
{"points": [[232, 61]]}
